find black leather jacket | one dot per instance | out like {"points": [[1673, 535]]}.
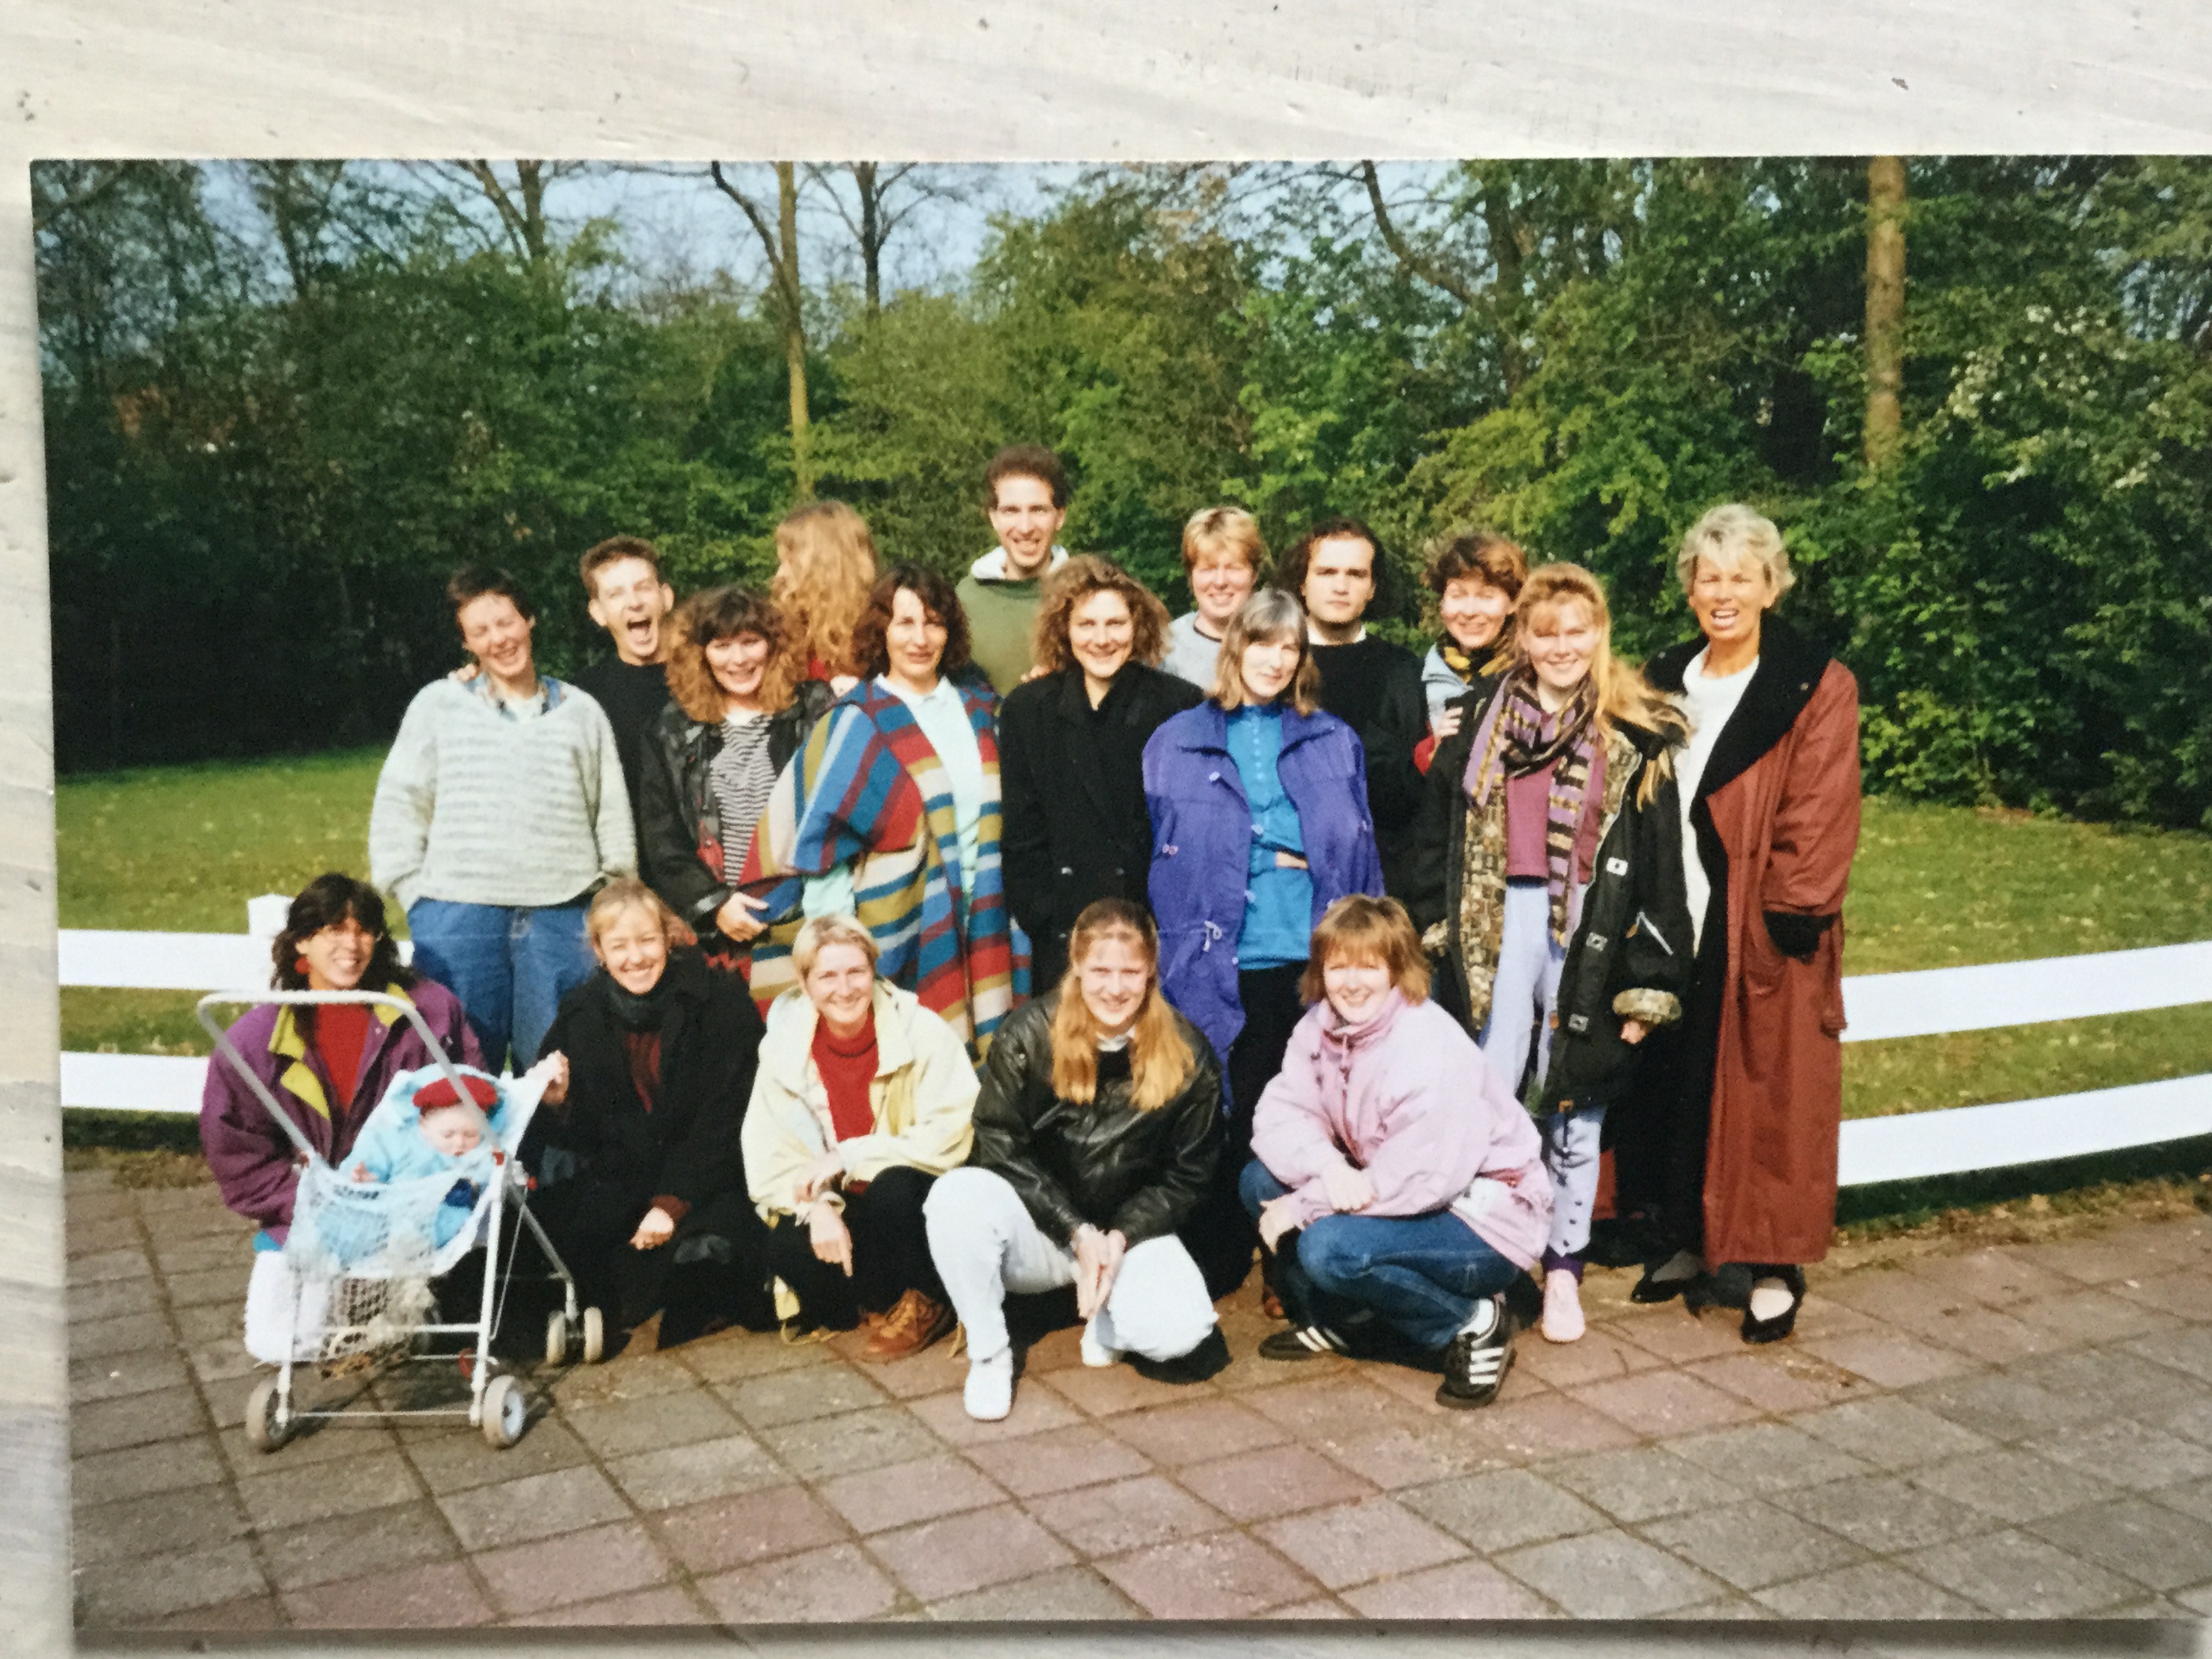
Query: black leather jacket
{"points": [[675, 816], [1106, 1163]]}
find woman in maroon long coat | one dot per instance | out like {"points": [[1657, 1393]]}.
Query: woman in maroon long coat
{"points": [[1735, 1153]]}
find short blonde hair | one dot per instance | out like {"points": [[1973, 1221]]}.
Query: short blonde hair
{"points": [[1358, 927], [626, 893], [820, 932], [1216, 530], [1729, 537], [1267, 615]]}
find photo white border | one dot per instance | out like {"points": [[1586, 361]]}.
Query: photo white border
{"points": [[982, 80]]}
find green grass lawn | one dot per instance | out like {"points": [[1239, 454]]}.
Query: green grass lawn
{"points": [[183, 847]]}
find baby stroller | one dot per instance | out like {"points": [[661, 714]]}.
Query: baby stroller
{"points": [[352, 1283]]}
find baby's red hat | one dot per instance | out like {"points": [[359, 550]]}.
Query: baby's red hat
{"points": [[440, 1092]]}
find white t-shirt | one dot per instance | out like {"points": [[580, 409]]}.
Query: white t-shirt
{"points": [[1708, 704]]}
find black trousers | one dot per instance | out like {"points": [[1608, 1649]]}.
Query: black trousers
{"points": [[713, 1267], [890, 1252], [1659, 1139], [1221, 1236]]}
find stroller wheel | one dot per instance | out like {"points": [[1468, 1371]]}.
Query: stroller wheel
{"points": [[556, 1338], [595, 1337], [505, 1411], [262, 1430]]}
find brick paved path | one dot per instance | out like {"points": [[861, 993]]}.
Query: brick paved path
{"points": [[2023, 1430]]}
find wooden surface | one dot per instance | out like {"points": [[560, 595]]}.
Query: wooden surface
{"points": [[979, 80]]}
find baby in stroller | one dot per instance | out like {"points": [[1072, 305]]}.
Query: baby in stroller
{"points": [[430, 1134]]}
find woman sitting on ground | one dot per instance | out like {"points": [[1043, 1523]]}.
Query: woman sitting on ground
{"points": [[863, 1098], [1396, 1179], [640, 1185], [327, 1065], [740, 707], [1095, 1134]]}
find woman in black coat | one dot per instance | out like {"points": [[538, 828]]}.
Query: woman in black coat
{"points": [[1071, 755], [739, 709], [641, 1183]]}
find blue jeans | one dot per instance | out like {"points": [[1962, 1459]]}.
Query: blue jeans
{"points": [[509, 966], [1423, 1275]]}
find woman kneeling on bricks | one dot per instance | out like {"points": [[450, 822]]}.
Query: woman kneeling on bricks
{"points": [[1397, 1180], [1097, 1133]]}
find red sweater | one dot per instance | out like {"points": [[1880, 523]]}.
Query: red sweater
{"points": [[848, 1066]]}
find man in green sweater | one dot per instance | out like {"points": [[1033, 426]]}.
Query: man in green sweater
{"points": [[500, 809], [1025, 494]]}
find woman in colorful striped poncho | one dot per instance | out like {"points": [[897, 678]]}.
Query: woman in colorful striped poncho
{"points": [[890, 813]]}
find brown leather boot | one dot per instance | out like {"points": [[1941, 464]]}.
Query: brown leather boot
{"points": [[914, 1322]]}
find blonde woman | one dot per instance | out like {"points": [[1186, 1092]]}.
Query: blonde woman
{"points": [[741, 706], [641, 1185], [1224, 560], [1097, 1133], [1740, 1166], [825, 563], [863, 1099], [1548, 874], [1071, 753]]}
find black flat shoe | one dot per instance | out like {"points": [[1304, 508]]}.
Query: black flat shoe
{"points": [[1774, 1329], [1651, 1290]]}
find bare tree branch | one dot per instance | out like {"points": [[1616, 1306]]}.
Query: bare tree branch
{"points": [[1422, 267]]}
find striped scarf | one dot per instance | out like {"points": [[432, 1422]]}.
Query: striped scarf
{"points": [[1525, 738], [867, 791]]}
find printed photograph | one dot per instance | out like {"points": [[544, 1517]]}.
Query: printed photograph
{"points": [[802, 893]]}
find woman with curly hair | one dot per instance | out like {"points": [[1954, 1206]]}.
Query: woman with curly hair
{"points": [[1071, 753], [1476, 576], [890, 813], [738, 710], [825, 563]]}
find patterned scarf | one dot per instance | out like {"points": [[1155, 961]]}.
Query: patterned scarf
{"points": [[1525, 738]]}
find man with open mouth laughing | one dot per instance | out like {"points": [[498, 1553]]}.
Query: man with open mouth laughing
{"points": [[626, 596]]}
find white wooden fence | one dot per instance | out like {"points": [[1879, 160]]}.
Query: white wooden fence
{"points": [[1929, 1003]]}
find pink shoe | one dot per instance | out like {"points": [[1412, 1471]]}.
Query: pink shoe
{"points": [[1563, 1307]]}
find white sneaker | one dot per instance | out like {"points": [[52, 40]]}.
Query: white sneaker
{"points": [[1097, 1354], [989, 1395], [1563, 1307]]}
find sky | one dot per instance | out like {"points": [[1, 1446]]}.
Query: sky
{"points": [[674, 223]]}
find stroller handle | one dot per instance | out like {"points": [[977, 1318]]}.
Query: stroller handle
{"points": [[214, 1027]]}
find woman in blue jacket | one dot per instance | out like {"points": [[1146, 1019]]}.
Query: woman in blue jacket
{"points": [[1259, 822]]}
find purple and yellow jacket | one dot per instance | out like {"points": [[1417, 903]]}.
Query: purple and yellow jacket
{"points": [[251, 1158]]}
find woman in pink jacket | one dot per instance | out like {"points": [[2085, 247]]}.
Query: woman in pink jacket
{"points": [[1398, 1182]]}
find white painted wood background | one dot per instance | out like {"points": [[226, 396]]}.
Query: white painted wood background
{"points": [[978, 80]]}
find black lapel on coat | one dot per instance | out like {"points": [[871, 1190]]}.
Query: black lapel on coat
{"points": [[1789, 671]]}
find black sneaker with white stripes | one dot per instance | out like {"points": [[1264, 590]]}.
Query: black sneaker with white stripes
{"points": [[1302, 1342], [1477, 1359]]}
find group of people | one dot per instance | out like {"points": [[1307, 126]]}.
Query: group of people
{"points": [[892, 946]]}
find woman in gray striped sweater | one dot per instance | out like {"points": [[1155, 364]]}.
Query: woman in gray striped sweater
{"points": [[740, 708], [500, 810]]}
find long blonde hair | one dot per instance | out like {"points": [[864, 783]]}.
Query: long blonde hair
{"points": [[1160, 1061], [825, 563], [1624, 696]]}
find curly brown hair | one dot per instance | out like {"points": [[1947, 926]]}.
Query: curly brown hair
{"points": [[723, 613], [1076, 581], [329, 899], [870, 634]]}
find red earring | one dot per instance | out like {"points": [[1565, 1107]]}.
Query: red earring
{"points": [[299, 962]]}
